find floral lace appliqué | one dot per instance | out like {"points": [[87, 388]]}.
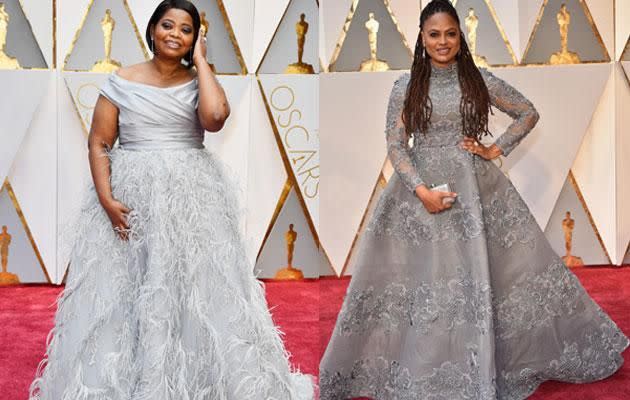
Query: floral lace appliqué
{"points": [[422, 306]]}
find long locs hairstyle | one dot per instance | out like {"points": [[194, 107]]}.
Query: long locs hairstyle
{"points": [[475, 101]]}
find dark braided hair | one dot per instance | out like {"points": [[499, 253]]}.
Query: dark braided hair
{"points": [[475, 103]]}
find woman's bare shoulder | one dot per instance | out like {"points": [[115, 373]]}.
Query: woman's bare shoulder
{"points": [[132, 72]]}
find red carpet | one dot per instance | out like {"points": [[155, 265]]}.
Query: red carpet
{"points": [[26, 317], [610, 287]]}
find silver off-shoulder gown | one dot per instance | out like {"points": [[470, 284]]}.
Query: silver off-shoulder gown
{"points": [[175, 313], [471, 303]]}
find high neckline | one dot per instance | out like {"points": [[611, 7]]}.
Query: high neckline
{"points": [[444, 71]]}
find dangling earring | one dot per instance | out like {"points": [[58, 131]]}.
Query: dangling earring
{"points": [[191, 54], [152, 51], [424, 53]]}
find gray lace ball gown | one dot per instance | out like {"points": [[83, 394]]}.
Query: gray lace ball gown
{"points": [[471, 303], [175, 313]]}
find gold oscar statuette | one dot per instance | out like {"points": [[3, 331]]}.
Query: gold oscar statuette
{"points": [[107, 65], [6, 278], [472, 23], [300, 67], [373, 64], [564, 56], [290, 273], [6, 62], [203, 31], [568, 224]]}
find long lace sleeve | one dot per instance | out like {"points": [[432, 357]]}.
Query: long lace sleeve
{"points": [[397, 140], [512, 102]]}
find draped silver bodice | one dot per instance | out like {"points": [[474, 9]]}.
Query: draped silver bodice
{"points": [[155, 118]]}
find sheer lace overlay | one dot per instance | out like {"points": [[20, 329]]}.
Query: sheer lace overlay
{"points": [[468, 304]]}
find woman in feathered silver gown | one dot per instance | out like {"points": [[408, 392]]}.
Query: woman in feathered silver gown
{"points": [[161, 302], [463, 300]]}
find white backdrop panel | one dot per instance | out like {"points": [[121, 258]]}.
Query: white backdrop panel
{"points": [[333, 14], [622, 147], [622, 26], [241, 13], [232, 142], [40, 15], [603, 13], [551, 147], [266, 176], [267, 16], [17, 110], [73, 174], [594, 167], [34, 176], [508, 15], [528, 13], [352, 122], [293, 101]]}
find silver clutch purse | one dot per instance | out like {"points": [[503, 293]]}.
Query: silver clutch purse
{"points": [[444, 187]]}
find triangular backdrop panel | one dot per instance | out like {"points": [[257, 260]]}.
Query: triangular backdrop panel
{"points": [[625, 56], [29, 269], [491, 41], [266, 174], [585, 243], [283, 49], [17, 110], [622, 148], [528, 13], [351, 162], [583, 37], [626, 68], [73, 175], [267, 16], [603, 14], [241, 16], [626, 259], [21, 43], [273, 256], [232, 142], [593, 165], [407, 16], [223, 50], [353, 46], [293, 101], [84, 89], [33, 175], [88, 46], [551, 147], [332, 17], [40, 16], [379, 188], [622, 27], [509, 17]]}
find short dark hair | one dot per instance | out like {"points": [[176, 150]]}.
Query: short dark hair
{"points": [[166, 5]]}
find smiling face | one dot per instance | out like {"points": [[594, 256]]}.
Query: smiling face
{"points": [[442, 39], [173, 34]]}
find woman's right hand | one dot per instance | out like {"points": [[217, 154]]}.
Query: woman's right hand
{"points": [[433, 200], [117, 213]]}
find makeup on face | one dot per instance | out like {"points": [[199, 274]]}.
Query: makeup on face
{"points": [[174, 32], [442, 39]]}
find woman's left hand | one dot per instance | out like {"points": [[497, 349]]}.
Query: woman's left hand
{"points": [[486, 152], [201, 49]]}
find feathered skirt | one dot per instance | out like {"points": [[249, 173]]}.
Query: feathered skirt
{"points": [[175, 312]]}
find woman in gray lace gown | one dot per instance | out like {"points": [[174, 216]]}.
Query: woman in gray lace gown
{"points": [[458, 295]]}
